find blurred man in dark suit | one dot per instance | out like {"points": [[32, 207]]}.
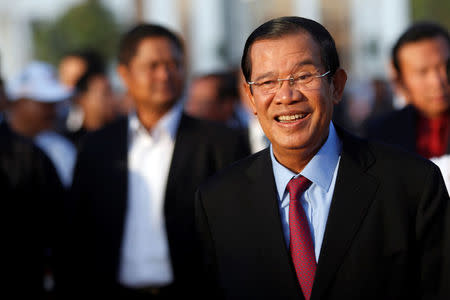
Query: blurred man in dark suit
{"points": [[134, 183]]}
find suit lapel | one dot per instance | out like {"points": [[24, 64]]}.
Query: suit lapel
{"points": [[184, 146], [117, 179], [266, 219], [353, 195], [405, 129]]}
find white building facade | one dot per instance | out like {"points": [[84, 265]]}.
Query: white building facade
{"points": [[215, 30]]}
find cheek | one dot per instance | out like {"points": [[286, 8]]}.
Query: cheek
{"points": [[415, 85], [262, 106]]}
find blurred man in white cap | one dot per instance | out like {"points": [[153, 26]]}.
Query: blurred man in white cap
{"points": [[33, 195], [34, 95]]}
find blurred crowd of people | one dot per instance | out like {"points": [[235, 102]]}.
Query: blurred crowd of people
{"points": [[101, 184]]}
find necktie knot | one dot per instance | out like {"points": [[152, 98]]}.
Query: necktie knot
{"points": [[297, 186]]}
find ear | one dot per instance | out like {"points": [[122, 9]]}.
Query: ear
{"points": [[397, 82], [123, 72], [250, 97], [339, 80]]}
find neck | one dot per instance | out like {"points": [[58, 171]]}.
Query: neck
{"points": [[295, 160], [21, 128], [149, 118], [92, 121]]}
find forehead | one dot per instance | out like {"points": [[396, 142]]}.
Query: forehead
{"points": [[205, 85], [72, 60], [281, 54], [157, 48], [424, 52], [99, 80]]}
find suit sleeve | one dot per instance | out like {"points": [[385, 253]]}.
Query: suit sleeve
{"points": [[72, 255], [210, 289], [445, 280], [430, 221]]}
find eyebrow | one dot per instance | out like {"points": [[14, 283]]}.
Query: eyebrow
{"points": [[306, 62], [296, 66], [268, 74]]}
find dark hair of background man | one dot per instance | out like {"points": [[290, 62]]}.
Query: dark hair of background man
{"points": [[228, 86], [130, 40], [83, 83], [92, 58], [448, 70], [417, 32], [283, 26]]}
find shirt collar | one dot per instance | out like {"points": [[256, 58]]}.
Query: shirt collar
{"points": [[319, 170], [167, 124]]}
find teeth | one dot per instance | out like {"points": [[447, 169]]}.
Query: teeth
{"points": [[291, 117]]}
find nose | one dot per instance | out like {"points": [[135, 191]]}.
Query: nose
{"points": [[163, 72], [439, 78], [288, 93]]}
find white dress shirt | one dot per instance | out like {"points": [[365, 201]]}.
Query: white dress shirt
{"points": [[145, 257], [316, 200], [61, 152], [257, 138]]}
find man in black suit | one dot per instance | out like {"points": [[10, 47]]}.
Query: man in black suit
{"points": [[419, 60], [32, 196], [135, 180], [320, 214]]}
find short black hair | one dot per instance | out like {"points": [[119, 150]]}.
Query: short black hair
{"points": [[228, 83], [82, 83], [131, 39], [283, 26], [93, 59], [448, 70], [416, 32]]}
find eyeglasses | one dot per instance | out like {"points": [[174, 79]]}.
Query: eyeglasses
{"points": [[302, 81]]}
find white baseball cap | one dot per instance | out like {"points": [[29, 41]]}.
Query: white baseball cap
{"points": [[37, 82]]}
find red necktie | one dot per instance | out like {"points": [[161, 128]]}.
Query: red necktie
{"points": [[301, 244]]}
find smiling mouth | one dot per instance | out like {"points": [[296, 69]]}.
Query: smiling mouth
{"points": [[290, 118]]}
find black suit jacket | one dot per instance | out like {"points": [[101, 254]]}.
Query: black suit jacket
{"points": [[99, 199], [398, 128], [383, 237], [32, 198]]}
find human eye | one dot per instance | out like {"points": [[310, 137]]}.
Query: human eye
{"points": [[172, 65], [303, 77], [267, 83], [150, 66]]}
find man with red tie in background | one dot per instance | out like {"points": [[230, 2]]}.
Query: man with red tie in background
{"points": [[419, 60], [320, 214]]}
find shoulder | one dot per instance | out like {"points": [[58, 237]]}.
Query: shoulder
{"points": [[18, 148], [210, 130], [387, 121], [20, 157], [231, 144], [238, 173], [380, 151], [106, 135], [396, 167], [397, 173]]}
